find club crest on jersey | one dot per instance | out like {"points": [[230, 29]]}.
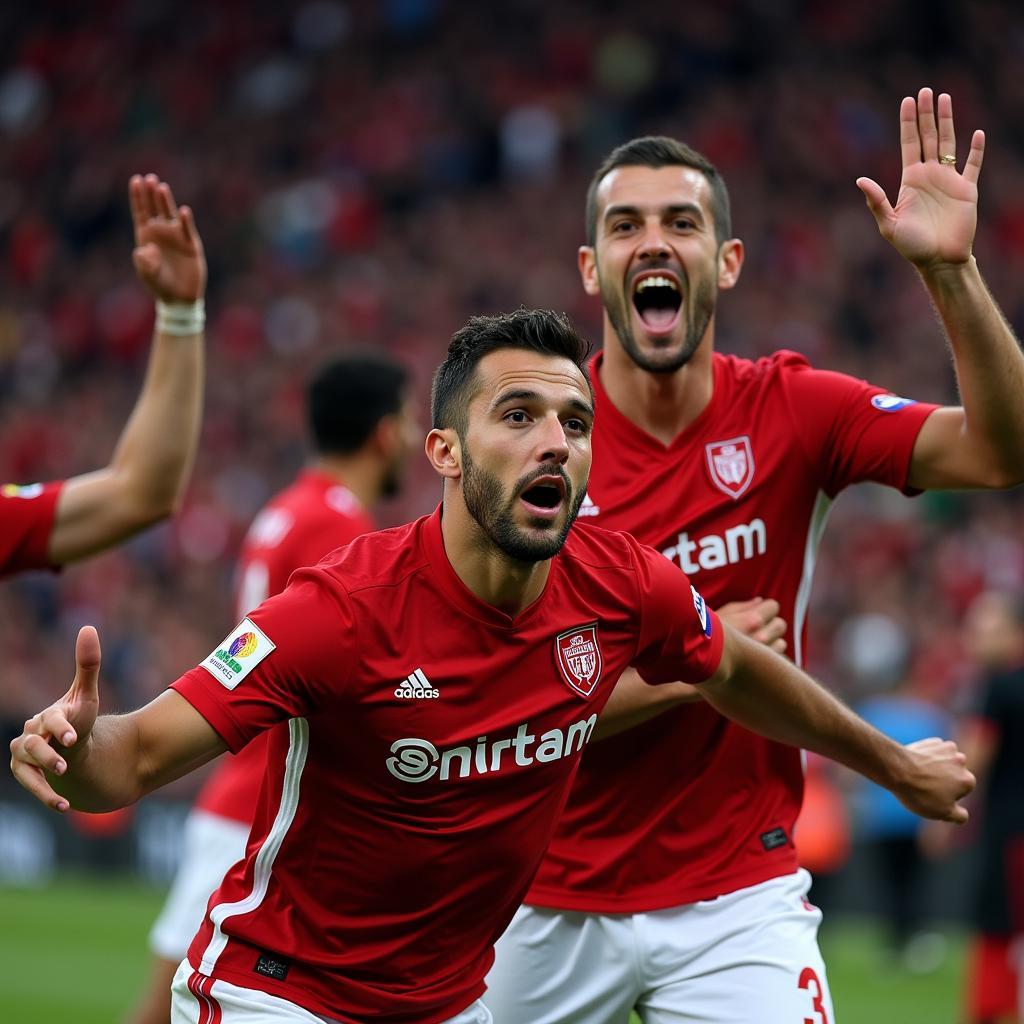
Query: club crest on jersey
{"points": [[731, 465], [579, 657]]}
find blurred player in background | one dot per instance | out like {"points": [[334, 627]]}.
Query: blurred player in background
{"points": [[362, 426], [49, 525], [892, 837], [994, 740], [672, 883], [435, 686]]}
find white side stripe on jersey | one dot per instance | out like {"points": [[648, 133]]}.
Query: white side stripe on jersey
{"points": [[295, 763], [819, 517]]}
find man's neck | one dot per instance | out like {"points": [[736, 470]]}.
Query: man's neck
{"points": [[660, 404], [502, 582], [361, 475]]}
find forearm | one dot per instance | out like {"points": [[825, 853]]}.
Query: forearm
{"points": [[634, 702], [148, 473], [769, 695], [989, 365], [157, 447]]}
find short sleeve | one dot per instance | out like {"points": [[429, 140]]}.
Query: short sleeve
{"points": [[851, 430], [680, 636], [26, 523], [289, 658]]}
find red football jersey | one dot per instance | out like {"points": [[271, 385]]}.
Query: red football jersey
{"points": [[688, 806], [297, 527], [26, 522], [430, 744]]}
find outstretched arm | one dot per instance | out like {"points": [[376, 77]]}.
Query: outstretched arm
{"points": [[68, 757], [932, 225], [150, 467], [769, 695], [634, 701]]}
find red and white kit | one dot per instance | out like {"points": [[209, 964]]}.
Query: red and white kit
{"points": [[26, 522], [301, 524], [428, 747], [688, 806]]}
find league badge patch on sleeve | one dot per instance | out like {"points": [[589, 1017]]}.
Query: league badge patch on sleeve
{"points": [[242, 650], [706, 622], [891, 403], [26, 491]]}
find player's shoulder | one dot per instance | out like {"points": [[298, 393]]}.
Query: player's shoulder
{"points": [[381, 558], [307, 506], [595, 547], [756, 371]]}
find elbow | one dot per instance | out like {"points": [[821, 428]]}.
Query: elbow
{"points": [[142, 516], [1004, 475], [147, 504]]}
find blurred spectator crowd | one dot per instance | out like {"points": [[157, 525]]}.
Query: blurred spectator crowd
{"points": [[372, 173]]}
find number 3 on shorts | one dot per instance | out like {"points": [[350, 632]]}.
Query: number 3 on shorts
{"points": [[809, 980]]}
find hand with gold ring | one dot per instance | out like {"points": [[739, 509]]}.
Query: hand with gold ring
{"points": [[936, 212]]}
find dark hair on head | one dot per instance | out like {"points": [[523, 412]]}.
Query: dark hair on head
{"points": [[536, 330], [349, 396], [657, 151]]}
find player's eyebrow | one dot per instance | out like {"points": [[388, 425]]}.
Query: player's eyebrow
{"points": [[630, 210], [526, 395]]}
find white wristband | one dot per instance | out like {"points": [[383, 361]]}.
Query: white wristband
{"points": [[180, 318]]}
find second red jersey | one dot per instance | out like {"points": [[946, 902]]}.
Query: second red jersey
{"points": [[430, 744], [688, 806], [301, 524]]}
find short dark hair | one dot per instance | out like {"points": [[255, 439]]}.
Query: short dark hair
{"points": [[349, 396], [536, 330], [658, 151]]}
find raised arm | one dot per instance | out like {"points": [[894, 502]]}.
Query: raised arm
{"points": [[148, 472], [769, 695], [69, 757], [932, 225]]}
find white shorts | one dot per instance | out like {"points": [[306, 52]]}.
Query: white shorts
{"points": [[196, 999], [212, 844], [751, 955]]}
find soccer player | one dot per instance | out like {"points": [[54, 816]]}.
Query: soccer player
{"points": [[362, 425], [48, 525], [436, 685], [672, 883], [994, 735]]}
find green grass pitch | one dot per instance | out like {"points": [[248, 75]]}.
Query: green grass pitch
{"points": [[76, 952]]}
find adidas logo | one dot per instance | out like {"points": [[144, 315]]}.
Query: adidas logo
{"points": [[416, 686], [588, 508]]}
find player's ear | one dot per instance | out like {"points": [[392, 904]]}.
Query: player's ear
{"points": [[730, 262], [388, 435], [445, 452], [587, 260]]}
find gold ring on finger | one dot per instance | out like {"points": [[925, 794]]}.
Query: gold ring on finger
{"points": [[948, 159]]}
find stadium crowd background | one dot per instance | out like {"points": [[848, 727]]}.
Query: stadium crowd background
{"points": [[374, 173]]}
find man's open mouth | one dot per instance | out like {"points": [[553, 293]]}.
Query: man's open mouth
{"points": [[544, 497], [657, 299]]}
